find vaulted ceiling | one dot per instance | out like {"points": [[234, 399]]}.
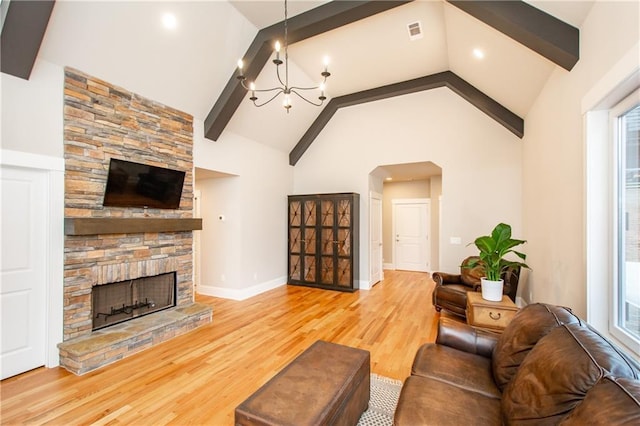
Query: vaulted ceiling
{"points": [[189, 66]]}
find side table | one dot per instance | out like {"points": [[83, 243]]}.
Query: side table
{"points": [[493, 316]]}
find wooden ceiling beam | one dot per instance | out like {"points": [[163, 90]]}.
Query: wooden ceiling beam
{"points": [[548, 36], [316, 21], [493, 109], [22, 34]]}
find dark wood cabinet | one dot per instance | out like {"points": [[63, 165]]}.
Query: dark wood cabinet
{"points": [[324, 237]]}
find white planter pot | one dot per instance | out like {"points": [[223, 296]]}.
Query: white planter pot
{"points": [[491, 290]]}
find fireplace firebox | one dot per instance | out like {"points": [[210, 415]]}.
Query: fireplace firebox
{"points": [[117, 302]]}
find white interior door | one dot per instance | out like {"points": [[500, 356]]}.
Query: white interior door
{"points": [[375, 232], [23, 270], [411, 224]]}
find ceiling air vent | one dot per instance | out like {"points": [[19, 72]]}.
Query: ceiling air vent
{"points": [[415, 30]]}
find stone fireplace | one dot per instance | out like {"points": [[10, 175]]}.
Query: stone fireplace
{"points": [[120, 244]]}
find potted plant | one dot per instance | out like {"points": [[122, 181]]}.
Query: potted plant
{"points": [[493, 248]]}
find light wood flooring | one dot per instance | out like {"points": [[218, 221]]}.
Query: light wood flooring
{"points": [[199, 378]]}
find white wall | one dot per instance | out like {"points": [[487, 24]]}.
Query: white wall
{"points": [[478, 155], [220, 245], [249, 247], [553, 159], [32, 111]]}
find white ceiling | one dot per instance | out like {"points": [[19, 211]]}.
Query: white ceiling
{"points": [[187, 68]]}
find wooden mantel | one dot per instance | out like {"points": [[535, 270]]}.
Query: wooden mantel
{"points": [[111, 225]]}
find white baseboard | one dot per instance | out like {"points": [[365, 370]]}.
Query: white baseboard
{"points": [[241, 293], [389, 266], [364, 285]]}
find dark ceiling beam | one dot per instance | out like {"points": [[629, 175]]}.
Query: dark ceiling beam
{"points": [[448, 79], [550, 37], [316, 21], [22, 34]]}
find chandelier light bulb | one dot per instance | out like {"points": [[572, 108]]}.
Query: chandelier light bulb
{"points": [[286, 103], [277, 53], [252, 86], [322, 97], [240, 65]]}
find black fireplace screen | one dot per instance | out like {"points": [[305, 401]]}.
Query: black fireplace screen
{"points": [[117, 302]]}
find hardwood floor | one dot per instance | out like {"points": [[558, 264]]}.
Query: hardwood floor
{"points": [[200, 377]]}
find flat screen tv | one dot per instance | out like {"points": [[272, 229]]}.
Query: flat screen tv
{"points": [[139, 185]]}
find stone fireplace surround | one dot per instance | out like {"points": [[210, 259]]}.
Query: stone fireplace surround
{"points": [[102, 121]]}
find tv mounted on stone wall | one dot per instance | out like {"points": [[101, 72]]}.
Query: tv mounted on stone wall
{"points": [[132, 184]]}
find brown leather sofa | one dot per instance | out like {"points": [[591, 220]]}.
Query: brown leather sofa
{"points": [[450, 292], [548, 367]]}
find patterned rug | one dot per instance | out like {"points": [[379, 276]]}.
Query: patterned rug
{"points": [[382, 405]]}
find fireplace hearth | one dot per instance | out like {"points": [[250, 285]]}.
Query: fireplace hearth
{"points": [[117, 302]]}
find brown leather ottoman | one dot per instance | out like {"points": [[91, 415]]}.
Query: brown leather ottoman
{"points": [[328, 384]]}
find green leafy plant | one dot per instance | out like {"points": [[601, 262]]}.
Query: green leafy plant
{"points": [[493, 248]]}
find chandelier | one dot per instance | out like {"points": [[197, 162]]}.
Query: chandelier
{"points": [[284, 87]]}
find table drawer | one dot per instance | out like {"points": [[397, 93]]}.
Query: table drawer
{"points": [[490, 316]]}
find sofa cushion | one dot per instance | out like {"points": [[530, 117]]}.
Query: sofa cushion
{"points": [[529, 325], [426, 401], [558, 372], [610, 402], [446, 364]]}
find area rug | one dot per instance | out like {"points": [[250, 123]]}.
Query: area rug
{"points": [[383, 401]]}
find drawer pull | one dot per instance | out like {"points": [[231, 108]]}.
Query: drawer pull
{"points": [[495, 317]]}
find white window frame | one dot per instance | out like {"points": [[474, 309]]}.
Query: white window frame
{"points": [[615, 113], [614, 85]]}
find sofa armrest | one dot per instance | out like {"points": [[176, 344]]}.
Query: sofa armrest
{"points": [[466, 338]]}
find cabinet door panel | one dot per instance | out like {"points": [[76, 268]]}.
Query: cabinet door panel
{"points": [[327, 210], [344, 272], [295, 211], [294, 267], [310, 213], [327, 241], [294, 240], [327, 271], [309, 268], [344, 213], [344, 242], [310, 241]]}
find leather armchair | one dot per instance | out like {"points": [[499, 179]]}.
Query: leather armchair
{"points": [[450, 291]]}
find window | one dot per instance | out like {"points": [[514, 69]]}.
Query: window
{"points": [[625, 310]]}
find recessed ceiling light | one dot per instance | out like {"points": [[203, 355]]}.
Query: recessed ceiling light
{"points": [[389, 178], [169, 21], [478, 53]]}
